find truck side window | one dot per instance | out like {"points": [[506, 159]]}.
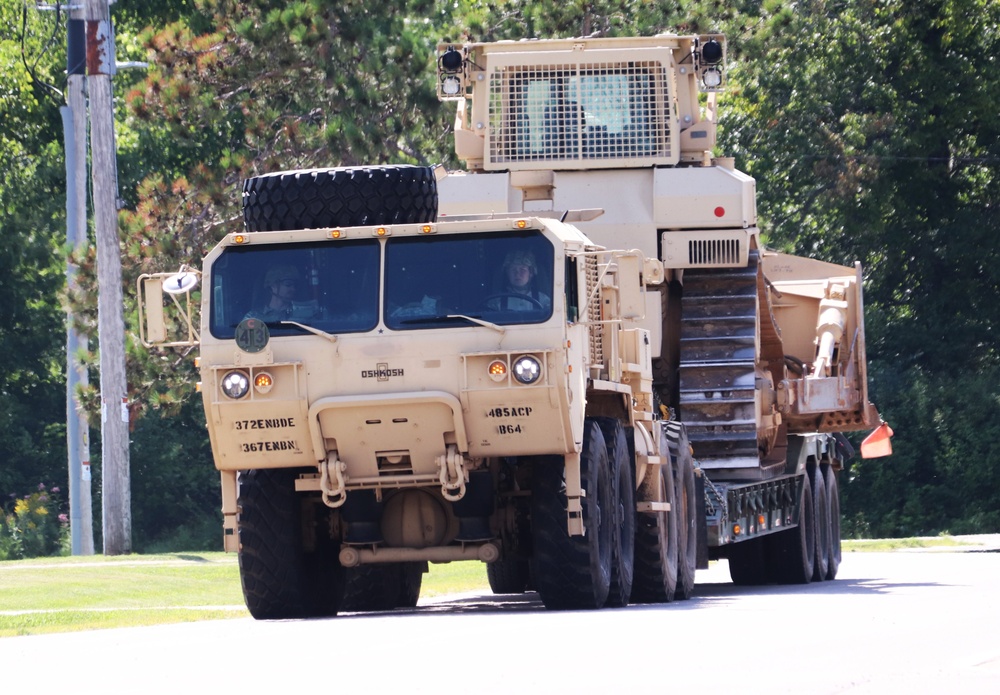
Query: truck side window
{"points": [[572, 291]]}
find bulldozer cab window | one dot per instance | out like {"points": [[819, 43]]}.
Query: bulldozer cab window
{"points": [[330, 286], [599, 112], [430, 281]]}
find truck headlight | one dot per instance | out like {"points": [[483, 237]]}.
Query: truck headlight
{"points": [[527, 369], [235, 385]]}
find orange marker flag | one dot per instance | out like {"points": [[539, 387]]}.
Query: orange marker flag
{"points": [[877, 444]]}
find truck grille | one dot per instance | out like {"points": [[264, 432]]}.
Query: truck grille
{"points": [[582, 113], [714, 252]]}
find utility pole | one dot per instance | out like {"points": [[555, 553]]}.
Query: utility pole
{"points": [[77, 428], [115, 476]]}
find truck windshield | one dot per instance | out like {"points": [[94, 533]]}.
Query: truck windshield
{"points": [[330, 286], [431, 282]]}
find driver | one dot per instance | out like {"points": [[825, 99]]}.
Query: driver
{"points": [[520, 292], [282, 284]]}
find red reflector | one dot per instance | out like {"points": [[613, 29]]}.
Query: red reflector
{"points": [[720, 211]]}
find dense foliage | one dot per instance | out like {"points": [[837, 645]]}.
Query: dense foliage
{"points": [[870, 126]]}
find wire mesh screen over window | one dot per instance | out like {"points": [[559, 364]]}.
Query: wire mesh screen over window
{"points": [[578, 112]]}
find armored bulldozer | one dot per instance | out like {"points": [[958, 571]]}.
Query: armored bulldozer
{"points": [[760, 354], [574, 361]]}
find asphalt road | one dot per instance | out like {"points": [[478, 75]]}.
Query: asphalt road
{"points": [[903, 622]]}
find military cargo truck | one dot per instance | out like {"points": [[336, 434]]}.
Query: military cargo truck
{"points": [[574, 362]]}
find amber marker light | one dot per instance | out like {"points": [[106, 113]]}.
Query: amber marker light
{"points": [[241, 239], [263, 382], [498, 370], [521, 224], [335, 233], [761, 519], [737, 529], [381, 231], [427, 229]]}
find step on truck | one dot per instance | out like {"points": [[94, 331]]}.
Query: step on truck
{"points": [[573, 361]]}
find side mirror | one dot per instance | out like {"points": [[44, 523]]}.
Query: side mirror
{"points": [[152, 290]]}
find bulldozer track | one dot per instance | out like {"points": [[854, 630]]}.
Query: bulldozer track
{"points": [[719, 349]]}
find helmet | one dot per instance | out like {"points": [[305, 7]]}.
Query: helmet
{"points": [[279, 273], [525, 258]]}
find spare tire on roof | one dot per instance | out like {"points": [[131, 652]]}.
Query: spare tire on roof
{"points": [[340, 197]]}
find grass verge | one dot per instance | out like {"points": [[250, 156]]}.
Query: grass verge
{"points": [[88, 593], [885, 545]]}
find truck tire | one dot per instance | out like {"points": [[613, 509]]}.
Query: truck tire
{"points": [[747, 563], [656, 541], [381, 587], [573, 572], [339, 197], [508, 576], [687, 526], [824, 541], [793, 552], [833, 498], [280, 578], [411, 579], [623, 500]]}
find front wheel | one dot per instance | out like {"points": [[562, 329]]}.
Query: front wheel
{"points": [[282, 575], [573, 572]]}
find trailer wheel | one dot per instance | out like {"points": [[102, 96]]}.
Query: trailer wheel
{"points": [[280, 577], [623, 501], [793, 552], [687, 527], [573, 572], [411, 578], [833, 498], [824, 541], [747, 563], [339, 197], [508, 576], [656, 540], [382, 587]]}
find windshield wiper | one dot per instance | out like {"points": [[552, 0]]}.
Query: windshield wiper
{"points": [[461, 317], [315, 331]]}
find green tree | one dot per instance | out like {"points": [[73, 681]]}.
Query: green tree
{"points": [[872, 131], [32, 211]]}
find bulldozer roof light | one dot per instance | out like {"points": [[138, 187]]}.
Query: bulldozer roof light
{"points": [[240, 239], [335, 233], [712, 77], [451, 85], [381, 231], [451, 60], [711, 52]]}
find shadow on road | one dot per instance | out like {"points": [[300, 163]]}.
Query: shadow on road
{"points": [[706, 595]]}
